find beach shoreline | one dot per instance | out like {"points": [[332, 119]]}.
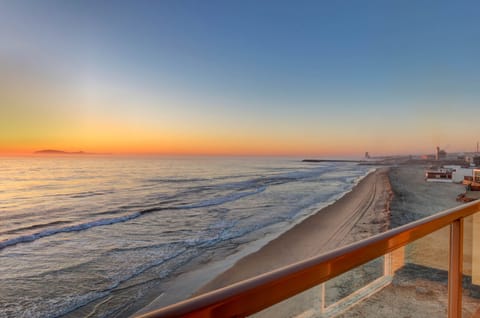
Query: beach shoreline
{"points": [[359, 213]]}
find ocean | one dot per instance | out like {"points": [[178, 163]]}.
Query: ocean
{"points": [[93, 236]]}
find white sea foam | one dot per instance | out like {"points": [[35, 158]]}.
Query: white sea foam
{"points": [[71, 228], [221, 200]]}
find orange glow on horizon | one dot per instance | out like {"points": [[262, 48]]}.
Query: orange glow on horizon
{"points": [[209, 147], [150, 135], [188, 146]]}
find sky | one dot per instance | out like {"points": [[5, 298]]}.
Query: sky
{"points": [[306, 78]]}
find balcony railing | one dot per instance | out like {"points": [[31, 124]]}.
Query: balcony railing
{"points": [[253, 295]]}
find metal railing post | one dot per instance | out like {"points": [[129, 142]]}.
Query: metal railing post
{"points": [[455, 269]]}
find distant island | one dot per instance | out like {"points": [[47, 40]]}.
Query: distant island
{"points": [[61, 152]]}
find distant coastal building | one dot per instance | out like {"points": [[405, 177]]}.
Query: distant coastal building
{"points": [[473, 184], [467, 176], [459, 173], [473, 160], [440, 154], [439, 175], [476, 175]]}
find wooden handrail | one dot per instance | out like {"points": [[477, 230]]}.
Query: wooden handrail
{"points": [[255, 294]]}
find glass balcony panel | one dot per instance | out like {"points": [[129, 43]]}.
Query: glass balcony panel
{"points": [[419, 282], [471, 267], [411, 281], [354, 283], [336, 295]]}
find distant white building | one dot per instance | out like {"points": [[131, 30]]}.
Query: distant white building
{"points": [[439, 175], [460, 173]]}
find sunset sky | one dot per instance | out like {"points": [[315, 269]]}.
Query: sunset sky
{"points": [[311, 78]]}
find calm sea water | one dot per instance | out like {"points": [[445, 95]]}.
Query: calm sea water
{"points": [[89, 236]]}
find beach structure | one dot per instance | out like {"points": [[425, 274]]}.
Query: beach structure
{"points": [[459, 173], [472, 181], [476, 175], [475, 184], [439, 175], [417, 244]]}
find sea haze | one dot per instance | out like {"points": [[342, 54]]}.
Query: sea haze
{"points": [[93, 235]]}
